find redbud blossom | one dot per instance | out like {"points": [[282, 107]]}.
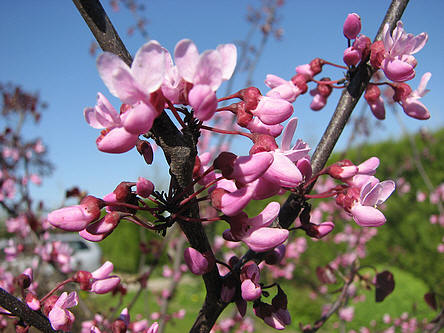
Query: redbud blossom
{"points": [[352, 56], [76, 218], [244, 169], [144, 187], [373, 97], [409, 100], [352, 26], [59, 316], [197, 262], [398, 64], [273, 110]]}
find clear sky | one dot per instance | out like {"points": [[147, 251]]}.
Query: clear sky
{"points": [[45, 49]]}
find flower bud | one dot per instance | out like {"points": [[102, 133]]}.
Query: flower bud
{"points": [[352, 26], [352, 56], [197, 262], [144, 187]]}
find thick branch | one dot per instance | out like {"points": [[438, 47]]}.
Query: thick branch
{"points": [[21, 310], [345, 107], [180, 151]]}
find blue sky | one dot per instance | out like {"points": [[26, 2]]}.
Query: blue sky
{"points": [[45, 49]]}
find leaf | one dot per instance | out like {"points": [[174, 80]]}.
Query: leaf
{"points": [[385, 284]]}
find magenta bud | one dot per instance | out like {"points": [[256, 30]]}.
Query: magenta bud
{"points": [[250, 290], [352, 26], [76, 218], [250, 96], [197, 262], [352, 56], [83, 278], [342, 169], [105, 285], [144, 187]]}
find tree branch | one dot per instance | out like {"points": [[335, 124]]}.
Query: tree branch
{"points": [[180, 152], [349, 98], [21, 310]]}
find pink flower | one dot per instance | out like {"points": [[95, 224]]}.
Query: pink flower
{"points": [[273, 110], [254, 232], [283, 171], [282, 88], [398, 63], [206, 72], [411, 104], [100, 281], [144, 187], [135, 84], [197, 262], [352, 26], [373, 97], [76, 218], [59, 316], [364, 209], [347, 313]]}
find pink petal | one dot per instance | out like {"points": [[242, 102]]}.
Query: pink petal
{"points": [[273, 81], [149, 65], [116, 141], [186, 57], [106, 285], [272, 111], [421, 90], [369, 166], [196, 261], [415, 109], [209, 70], [266, 217], [73, 218], [228, 54], [283, 172], [203, 100], [265, 239], [250, 290], [139, 119], [103, 271], [367, 216], [107, 65], [247, 169], [257, 126], [58, 317], [233, 203], [397, 70], [91, 237], [289, 133], [126, 87]]}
